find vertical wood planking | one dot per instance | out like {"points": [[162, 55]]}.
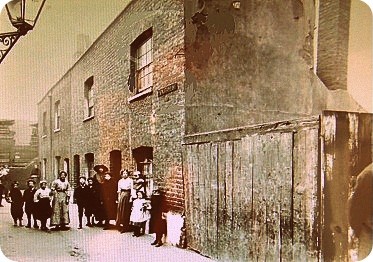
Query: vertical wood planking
{"points": [[255, 199], [228, 226], [259, 200], [213, 221], [285, 183], [195, 198], [222, 241], [189, 195], [272, 197], [299, 185], [312, 193]]}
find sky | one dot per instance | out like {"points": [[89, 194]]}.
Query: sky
{"points": [[39, 59]]}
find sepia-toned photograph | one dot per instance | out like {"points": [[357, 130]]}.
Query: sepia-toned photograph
{"points": [[186, 130]]}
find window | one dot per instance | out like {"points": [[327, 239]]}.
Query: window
{"points": [[141, 75], [57, 161], [44, 169], [88, 96], [90, 163], [143, 157], [57, 116], [44, 131]]}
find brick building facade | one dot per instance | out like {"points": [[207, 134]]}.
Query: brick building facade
{"points": [[164, 69]]}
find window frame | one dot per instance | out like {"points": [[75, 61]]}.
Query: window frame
{"points": [[89, 110], [44, 131], [57, 116], [141, 64]]}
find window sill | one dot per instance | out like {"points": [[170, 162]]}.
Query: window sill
{"points": [[88, 118], [141, 94], [57, 130]]}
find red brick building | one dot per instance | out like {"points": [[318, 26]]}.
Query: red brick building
{"points": [[164, 69]]}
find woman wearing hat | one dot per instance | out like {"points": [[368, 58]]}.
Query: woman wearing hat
{"points": [[60, 204], [108, 198], [16, 206], [125, 185], [43, 209]]}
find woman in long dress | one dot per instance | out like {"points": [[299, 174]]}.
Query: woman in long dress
{"points": [[60, 204], [125, 185]]}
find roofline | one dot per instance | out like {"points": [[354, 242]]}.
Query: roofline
{"points": [[88, 49]]}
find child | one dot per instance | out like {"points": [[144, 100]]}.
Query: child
{"points": [[157, 223], [81, 196], [140, 213], [16, 206], [43, 209]]}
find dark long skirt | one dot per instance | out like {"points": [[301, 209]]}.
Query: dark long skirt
{"points": [[124, 209], [16, 210], [43, 209]]}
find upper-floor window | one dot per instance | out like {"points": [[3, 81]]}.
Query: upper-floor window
{"points": [[88, 96], [141, 75], [57, 115], [44, 131]]}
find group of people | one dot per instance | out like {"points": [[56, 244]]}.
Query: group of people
{"points": [[100, 199], [37, 203]]}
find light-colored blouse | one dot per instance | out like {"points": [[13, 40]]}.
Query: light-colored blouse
{"points": [[41, 193], [125, 184]]}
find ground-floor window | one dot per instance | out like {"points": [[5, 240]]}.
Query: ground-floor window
{"points": [[143, 157], [115, 163]]}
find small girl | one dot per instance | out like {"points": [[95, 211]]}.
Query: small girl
{"points": [[16, 206], [140, 213]]}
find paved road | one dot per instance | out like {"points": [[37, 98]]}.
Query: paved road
{"points": [[87, 244]]}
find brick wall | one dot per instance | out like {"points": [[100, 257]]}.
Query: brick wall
{"points": [[53, 142], [118, 124], [333, 38]]}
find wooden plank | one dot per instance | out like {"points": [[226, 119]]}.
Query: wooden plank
{"points": [[228, 226], [312, 194], [299, 184], [336, 173], [195, 198], [202, 171], [285, 184], [270, 161], [222, 244], [213, 221], [188, 177], [259, 198], [240, 236]]}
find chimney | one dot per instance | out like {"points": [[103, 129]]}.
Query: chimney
{"points": [[82, 44], [333, 37]]}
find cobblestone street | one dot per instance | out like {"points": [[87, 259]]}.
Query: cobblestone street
{"points": [[88, 244]]}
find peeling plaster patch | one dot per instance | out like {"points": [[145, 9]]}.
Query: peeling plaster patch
{"points": [[298, 10], [174, 224], [353, 130], [329, 165], [330, 124]]}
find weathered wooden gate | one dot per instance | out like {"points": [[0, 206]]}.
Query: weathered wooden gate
{"points": [[275, 192], [346, 146], [252, 193]]}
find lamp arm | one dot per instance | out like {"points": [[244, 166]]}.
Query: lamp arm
{"points": [[7, 41], [37, 16]]}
